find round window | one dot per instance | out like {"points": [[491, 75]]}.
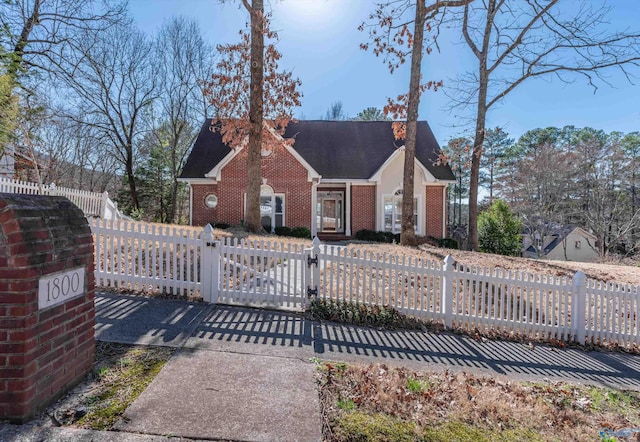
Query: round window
{"points": [[211, 201]]}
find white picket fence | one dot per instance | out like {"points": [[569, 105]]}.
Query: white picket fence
{"points": [[143, 257], [91, 203]]}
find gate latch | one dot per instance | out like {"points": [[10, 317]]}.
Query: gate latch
{"points": [[311, 260]]}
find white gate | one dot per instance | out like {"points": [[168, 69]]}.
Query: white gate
{"points": [[256, 273]]}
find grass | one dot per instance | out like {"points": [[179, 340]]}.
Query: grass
{"points": [[378, 403], [120, 374]]}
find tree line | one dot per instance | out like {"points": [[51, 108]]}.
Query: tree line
{"points": [[557, 177], [89, 101]]}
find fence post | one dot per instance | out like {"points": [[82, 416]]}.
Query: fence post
{"points": [[578, 306], [446, 304], [209, 265], [49, 190], [103, 208], [312, 269]]}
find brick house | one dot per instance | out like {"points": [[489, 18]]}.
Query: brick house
{"points": [[338, 177]]}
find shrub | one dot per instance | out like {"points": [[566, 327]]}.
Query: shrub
{"points": [[222, 226], [283, 231], [362, 314], [448, 243], [366, 235], [499, 231], [371, 235], [296, 232], [301, 232]]}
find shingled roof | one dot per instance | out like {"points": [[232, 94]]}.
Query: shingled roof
{"points": [[335, 149]]}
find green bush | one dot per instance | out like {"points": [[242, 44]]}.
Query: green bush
{"points": [[373, 236], [499, 231], [296, 232], [447, 243], [283, 231], [301, 232], [366, 235]]}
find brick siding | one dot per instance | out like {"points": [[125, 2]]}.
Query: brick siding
{"points": [[434, 220], [282, 172], [45, 352], [363, 208]]}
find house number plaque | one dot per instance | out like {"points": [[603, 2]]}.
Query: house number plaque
{"points": [[58, 288]]}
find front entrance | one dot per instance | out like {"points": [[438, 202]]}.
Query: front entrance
{"points": [[330, 212]]}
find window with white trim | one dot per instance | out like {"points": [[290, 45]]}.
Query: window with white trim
{"points": [[392, 205], [271, 208]]}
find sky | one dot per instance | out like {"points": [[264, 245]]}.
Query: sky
{"points": [[320, 43]]}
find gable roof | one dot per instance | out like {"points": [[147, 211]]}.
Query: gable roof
{"points": [[335, 149], [560, 236], [207, 151]]}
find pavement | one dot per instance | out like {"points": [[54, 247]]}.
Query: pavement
{"points": [[247, 374]]}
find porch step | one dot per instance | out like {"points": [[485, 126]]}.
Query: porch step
{"points": [[333, 237]]}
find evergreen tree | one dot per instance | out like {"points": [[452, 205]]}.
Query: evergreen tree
{"points": [[499, 230]]}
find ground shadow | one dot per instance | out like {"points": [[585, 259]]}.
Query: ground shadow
{"points": [[269, 332]]}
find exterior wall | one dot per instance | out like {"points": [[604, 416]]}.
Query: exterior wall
{"points": [[280, 170], [391, 180], [434, 202], [363, 208], [202, 215], [583, 253]]}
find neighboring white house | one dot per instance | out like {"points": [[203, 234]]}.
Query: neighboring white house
{"points": [[568, 244], [7, 162]]}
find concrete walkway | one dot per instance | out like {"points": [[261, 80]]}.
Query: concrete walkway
{"points": [[248, 374]]}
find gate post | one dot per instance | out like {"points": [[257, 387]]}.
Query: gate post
{"points": [[312, 270], [446, 302], [209, 265], [578, 306]]}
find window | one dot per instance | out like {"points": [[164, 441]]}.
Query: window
{"points": [[271, 208], [211, 201], [393, 212]]}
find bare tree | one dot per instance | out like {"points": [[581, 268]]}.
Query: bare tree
{"points": [[40, 32], [396, 41], [516, 40], [78, 156], [183, 58], [113, 82], [537, 190], [335, 112]]}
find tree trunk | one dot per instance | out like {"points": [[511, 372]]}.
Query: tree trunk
{"points": [[135, 204], [483, 76], [174, 182], [475, 173], [18, 50], [408, 234], [254, 172]]}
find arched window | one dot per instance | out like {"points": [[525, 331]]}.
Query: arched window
{"points": [[271, 208], [393, 212]]}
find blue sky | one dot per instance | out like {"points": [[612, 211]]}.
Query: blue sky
{"points": [[320, 42]]}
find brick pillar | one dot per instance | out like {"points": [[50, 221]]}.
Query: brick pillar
{"points": [[46, 301]]}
